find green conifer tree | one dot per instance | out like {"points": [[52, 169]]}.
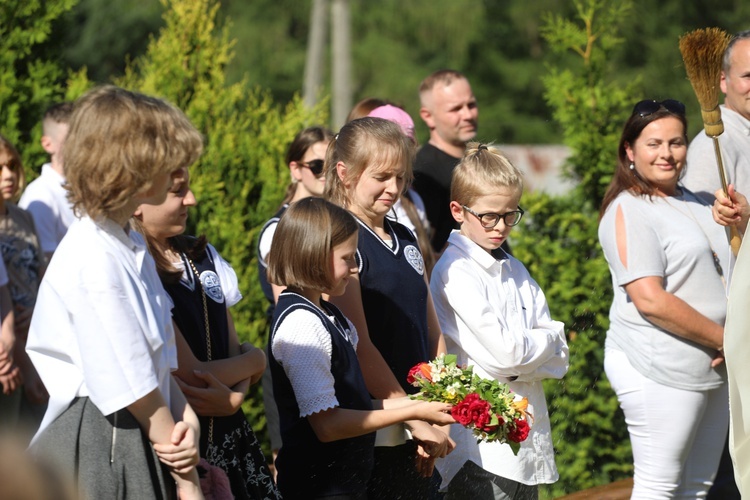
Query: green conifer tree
{"points": [[30, 77]]}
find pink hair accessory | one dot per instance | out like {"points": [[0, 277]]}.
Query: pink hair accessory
{"points": [[397, 116]]}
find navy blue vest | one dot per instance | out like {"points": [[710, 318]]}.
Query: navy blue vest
{"points": [[394, 297], [188, 315], [307, 467]]}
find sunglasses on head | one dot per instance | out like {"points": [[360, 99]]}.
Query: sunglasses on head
{"points": [[650, 106], [315, 166]]}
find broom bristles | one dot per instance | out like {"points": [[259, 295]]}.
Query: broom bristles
{"points": [[702, 52]]}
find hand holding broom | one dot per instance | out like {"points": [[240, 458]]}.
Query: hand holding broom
{"points": [[702, 52]]}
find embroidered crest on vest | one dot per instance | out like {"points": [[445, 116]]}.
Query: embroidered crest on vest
{"points": [[414, 257], [212, 286]]}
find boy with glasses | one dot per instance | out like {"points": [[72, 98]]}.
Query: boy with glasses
{"points": [[495, 317]]}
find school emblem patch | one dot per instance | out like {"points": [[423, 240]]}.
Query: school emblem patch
{"points": [[212, 286], [414, 258]]}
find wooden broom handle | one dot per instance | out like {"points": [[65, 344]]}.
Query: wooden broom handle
{"points": [[735, 240]]}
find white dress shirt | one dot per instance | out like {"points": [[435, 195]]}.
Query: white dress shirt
{"points": [[494, 316], [47, 201], [102, 325]]}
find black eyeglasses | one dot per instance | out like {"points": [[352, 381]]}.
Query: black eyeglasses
{"points": [[650, 106], [315, 166], [490, 220]]}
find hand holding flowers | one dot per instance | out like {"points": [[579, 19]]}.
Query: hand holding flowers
{"points": [[485, 406]]}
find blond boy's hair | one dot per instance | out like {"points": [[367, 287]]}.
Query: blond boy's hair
{"points": [[301, 252], [119, 142], [483, 169]]}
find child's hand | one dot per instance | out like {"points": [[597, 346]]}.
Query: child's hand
{"points": [[6, 356], [433, 442], [181, 455], [434, 412], [215, 399], [11, 379]]}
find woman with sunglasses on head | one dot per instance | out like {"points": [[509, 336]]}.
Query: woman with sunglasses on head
{"points": [[663, 351], [305, 161]]}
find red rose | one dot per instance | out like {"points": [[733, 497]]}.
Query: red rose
{"points": [[479, 410], [492, 428], [520, 432], [419, 371], [460, 412]]}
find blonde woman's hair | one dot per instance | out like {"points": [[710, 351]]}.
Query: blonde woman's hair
{"points": [[118, 142], [483, 169], [300, 255], [361, 144]]}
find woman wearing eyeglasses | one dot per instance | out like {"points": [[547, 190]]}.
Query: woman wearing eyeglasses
{"points": [[305, 160], [663, 351]]}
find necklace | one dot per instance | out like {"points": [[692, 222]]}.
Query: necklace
{"points": [[208, 337], [689, 213]]}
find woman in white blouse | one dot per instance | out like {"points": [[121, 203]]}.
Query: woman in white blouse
{"points": [[663, 351]]}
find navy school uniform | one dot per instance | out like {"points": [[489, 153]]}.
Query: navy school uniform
{"points": [[235, 448], [394, 297], [307, 467]]}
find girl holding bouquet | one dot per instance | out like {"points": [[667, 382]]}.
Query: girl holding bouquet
{"points": [[368, 166], [495, 317], [327, 417]]}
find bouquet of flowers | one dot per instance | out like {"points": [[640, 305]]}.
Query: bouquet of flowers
{"points": [[487, 407]]}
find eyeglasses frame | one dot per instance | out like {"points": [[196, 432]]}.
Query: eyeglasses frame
{"points": [[499, 216]]}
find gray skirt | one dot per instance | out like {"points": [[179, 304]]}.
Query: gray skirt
{"points": [[105, 457]]}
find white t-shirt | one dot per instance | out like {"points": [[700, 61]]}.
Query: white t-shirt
{"points": [[47, 201], [102, 326], [495, 317], [671, 238], [702, 173]]}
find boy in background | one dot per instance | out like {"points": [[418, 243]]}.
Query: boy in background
{"points": [[45, 198]]}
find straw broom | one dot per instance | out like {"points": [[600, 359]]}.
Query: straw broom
{"points": [[702, 52]]}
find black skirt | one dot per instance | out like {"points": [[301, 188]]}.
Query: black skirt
{"points": [[106, 457], [236, 449]]}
